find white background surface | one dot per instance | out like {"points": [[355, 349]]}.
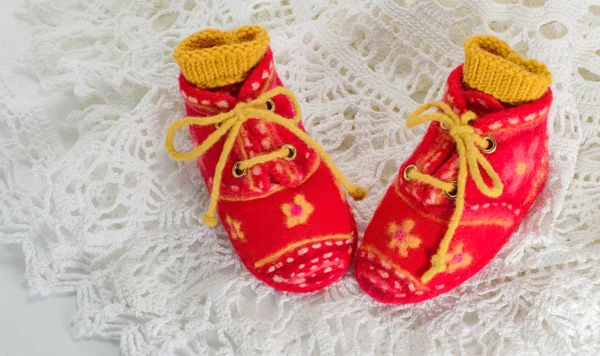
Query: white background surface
{"points": [[32, 326]]}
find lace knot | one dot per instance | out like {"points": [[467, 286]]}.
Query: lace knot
{"points": [[238, 111], [464, 132], [468, 117]]}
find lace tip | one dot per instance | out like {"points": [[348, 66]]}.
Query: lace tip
{"points": [[209, 220], [438, 266], [427, 276], [358, 192]]}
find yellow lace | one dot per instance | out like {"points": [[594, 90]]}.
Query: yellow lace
{"points": [[470, 148], [229, 124]]}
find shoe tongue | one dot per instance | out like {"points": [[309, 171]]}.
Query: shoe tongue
{"points": [[481, 103], [261, 79], [462, 98]]}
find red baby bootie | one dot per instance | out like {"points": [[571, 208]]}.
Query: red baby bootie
{"points": [[480, 166], [275, 189]]}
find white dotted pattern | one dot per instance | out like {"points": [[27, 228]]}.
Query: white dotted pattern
{"points": [[323, 263], [476, 207]]}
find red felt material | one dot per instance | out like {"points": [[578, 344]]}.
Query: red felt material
{"points": [[412, 218], [287, 219]]}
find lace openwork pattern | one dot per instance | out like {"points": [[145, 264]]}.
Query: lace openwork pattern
{"points": [[102, 211]]}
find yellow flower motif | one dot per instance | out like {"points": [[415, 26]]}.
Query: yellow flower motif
{"points": [[521, 168], [235, 229], [401, 238], [457, 259], [298, 212]]}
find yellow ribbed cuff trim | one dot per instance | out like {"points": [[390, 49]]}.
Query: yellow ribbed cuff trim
{"points": [[492, 67], [213, 58]]}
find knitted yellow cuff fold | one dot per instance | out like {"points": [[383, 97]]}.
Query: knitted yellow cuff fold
{"points": [[213, 58], [494, 68]]}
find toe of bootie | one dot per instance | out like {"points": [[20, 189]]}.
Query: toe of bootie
{"points": [[297, 240]]}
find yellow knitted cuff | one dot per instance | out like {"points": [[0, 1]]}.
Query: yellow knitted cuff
{"points": [[492, 67], [213, 58]]}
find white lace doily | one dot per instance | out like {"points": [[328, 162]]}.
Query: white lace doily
{"points": [[112, 218]]}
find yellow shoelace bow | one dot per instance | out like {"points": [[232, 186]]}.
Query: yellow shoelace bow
{"points": [[470, 148], [229, 124]]}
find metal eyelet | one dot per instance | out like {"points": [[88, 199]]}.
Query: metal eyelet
{"points": [[407, 170], [292, 153], [270, 105], [237, 172], [452, 195], [492, 144]]}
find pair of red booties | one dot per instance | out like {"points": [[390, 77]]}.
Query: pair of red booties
{"points": [[455, 202]]}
